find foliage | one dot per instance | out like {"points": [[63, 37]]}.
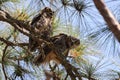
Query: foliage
{"points": [[77, 18], [3, 1]]}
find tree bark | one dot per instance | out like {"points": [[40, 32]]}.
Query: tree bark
{"points": [[111, 21]]}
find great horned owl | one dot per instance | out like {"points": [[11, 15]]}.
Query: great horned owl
{"points": [[61, 42], [42, 25]]}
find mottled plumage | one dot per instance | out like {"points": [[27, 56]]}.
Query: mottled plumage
{"points": [[42, 25], [62, 42]]}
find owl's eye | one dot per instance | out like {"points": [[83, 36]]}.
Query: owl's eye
{"points": [[75, 41], [51, 13]]}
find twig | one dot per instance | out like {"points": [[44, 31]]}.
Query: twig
{"points": [[66, 77], [3, 68], [19, 58], [9, 43]]}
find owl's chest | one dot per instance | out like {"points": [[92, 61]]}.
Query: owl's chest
{"points": [[42, 23], [43, 26]]}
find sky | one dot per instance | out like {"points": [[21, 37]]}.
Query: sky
{"points": [[88, 16]]}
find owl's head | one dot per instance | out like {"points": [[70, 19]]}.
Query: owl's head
{"points": [[72, 42], [69, 41], [47, 12]]}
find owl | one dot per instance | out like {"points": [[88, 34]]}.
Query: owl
{"points": [[62, 42], [42, 25]]}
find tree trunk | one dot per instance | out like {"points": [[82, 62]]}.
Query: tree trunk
{"points": [[112, 23]]}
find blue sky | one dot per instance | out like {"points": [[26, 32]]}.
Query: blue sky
{"points": [[88, 17]]}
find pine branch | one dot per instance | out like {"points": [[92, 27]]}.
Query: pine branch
{"points": [[111, 21], [9, 43], [20, 26], [25, 29]]}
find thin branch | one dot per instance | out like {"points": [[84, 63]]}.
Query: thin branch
{"points": [[66, 77], [17, 24], [9, 43], [19, 57], [3, 68], [4, 16]]}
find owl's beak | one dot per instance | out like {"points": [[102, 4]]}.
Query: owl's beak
{"points": [[51, 14]]}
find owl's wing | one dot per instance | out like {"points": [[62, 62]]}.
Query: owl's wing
{"points": [[36, 18]]}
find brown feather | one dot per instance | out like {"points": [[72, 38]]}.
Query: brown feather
{"points": [[62, 43]]}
